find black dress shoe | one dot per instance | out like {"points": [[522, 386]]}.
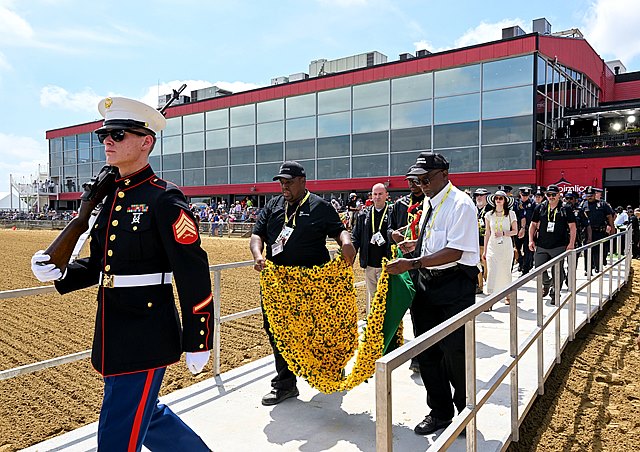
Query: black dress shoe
{"points": [[430, 425], [414, 366], [278, 395]]}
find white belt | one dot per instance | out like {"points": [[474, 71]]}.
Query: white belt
{"points": [[151, 279]]}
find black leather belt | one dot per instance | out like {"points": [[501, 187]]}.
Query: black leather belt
{"points": [[438, 273]]}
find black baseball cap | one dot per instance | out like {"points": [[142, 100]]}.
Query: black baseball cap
{"points": [[553, 189], [289, 170], [428, 161]]}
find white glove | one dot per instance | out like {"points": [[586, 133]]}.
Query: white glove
{"points": [[44, 272], [196, 361]]}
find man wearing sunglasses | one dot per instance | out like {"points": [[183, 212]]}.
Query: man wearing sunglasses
{"points": [[144, 236], [600, 216], [555, 226], [447, 253]]}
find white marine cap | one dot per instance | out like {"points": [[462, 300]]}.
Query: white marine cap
{"points": [[120, 112]]}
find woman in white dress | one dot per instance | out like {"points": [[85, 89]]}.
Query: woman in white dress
{"points": [[501, 225]]}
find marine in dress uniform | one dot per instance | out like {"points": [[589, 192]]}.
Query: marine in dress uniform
{"points": [[448, 255], [144, 236], [294, 227]]}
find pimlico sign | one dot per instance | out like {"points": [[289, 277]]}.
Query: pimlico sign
{"points": [[566, 186]]}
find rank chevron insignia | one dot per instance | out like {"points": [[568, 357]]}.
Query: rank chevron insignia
{"points": [[185, 230]]}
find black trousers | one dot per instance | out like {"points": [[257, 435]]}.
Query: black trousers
{"points": [[595, 251], [443, 364], [284, 379]]}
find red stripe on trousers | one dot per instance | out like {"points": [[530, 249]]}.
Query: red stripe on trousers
{"points": [[135, 431]]}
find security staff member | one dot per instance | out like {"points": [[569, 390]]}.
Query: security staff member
{"points": [[144, 234], [524, 211], [583, 227], [294, 226], [370, 238], [448, 256], [600, 216], [404, 223]]}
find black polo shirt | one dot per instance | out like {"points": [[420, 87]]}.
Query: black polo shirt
{"points": [[315, 221], [560, 235]]}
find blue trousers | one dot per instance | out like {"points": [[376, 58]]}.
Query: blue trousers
{"points": [[131, 416]]}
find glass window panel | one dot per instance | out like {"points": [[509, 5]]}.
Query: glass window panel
{"points": [[173, 127], [172, 145], [84, 155], [618, 174], [371, 119], [70, 143], [266, 171], [414, 139], [242, 115], [457, 80], [70, 157], [217, 176], [456, 135], [462, 160], [272, 110], [333, 146], [217, 157], [457, 109], [70, 171], [84, 141], [270, 132], [371, 94], [84, 172], [269, 152], [507, 157], [334, 100], [370, 166], [401, 162], [193, 160], [411, 88], [510, 72], [156, 162], [412, 114], [242, 155], [507, 102], [334, 124], [242, 174], [171, 162], [309, 168], [507, 130], [193, 123], [173, 176], [55, 145], [98, 154], [298, 129], [300, 149], [333, 168], [370, 143], [218, 139], [243, 136], [194, 142], [304, 105], [98, 166], [217, 119], [193, 177], [56, 159]]}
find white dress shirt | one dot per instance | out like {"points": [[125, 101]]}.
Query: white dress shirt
{"points": [[452, 224]]}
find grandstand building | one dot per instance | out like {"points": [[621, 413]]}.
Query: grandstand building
{"points": [[529, 109]]}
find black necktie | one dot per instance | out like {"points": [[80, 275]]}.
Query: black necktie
{"points": [[418, 251]]}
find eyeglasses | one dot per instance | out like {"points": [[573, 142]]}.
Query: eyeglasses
{"points": [[414, 181], [551, 195], [424, 180], [117, 135], [499, 198]]}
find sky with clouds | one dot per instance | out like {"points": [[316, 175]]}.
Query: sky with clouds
{"points": [[58, 58]]}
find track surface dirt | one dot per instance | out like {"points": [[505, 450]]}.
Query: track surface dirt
{"points": [[592, 399]]}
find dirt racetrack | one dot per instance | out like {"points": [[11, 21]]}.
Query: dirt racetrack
{"points": [[592, 399]]}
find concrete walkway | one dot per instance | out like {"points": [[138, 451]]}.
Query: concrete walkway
{"points": [[226, 410]]}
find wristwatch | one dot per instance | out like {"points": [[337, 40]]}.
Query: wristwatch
{"points": [[416, 263]]}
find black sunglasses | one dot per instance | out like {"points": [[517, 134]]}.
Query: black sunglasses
{"points": [[551, 195], [117, 135], [427, 180], [499, 198]]}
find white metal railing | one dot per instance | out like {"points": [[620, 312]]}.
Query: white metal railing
{"points": [[218, 320], [477, 397]]}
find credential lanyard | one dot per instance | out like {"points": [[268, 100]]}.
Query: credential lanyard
{"points": [[295, 213], [555, 211], [429, 227], [373, 221]]}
